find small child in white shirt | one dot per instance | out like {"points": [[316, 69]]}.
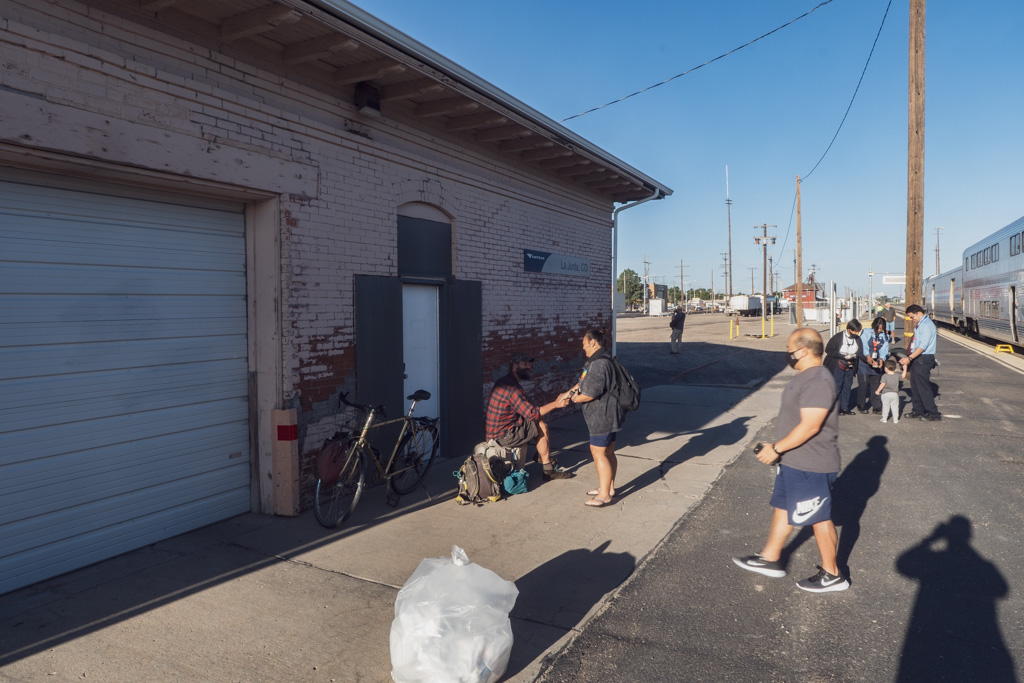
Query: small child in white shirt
{"points": [[889, 390]]}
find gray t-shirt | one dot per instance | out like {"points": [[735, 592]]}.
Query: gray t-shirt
{"points": [[814, 387], [890, 383], [603, 415]]}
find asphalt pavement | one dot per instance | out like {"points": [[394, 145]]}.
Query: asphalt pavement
{"points": [[640, 590], [929, 516]]}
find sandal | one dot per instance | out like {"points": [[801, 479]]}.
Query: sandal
{"points": [[597, 503], [594, 492]]}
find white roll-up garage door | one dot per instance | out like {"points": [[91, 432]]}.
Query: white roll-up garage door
{"points": [[123, 373]]}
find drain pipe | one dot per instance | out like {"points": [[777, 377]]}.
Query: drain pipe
{"points": [[615, 257]]}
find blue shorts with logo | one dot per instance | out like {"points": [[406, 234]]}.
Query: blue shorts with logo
{"points": [[806, 496]]}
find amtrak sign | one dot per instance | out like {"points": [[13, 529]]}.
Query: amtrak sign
{"points": [[543, 262]]}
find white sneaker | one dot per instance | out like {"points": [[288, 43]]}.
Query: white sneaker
{"points": [[883, 420], [895, 421]]}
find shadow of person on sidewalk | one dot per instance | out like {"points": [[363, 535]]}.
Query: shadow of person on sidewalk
{"points": [[953, 634], [701, 443], [554, 598], [854, 487]]}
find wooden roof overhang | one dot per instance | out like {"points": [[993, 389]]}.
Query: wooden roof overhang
{"points": [[341, 49]]}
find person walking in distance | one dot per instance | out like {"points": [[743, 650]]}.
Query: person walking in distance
{"points": [[920, 363], [678, 318], [889, 316], [807, 452]]}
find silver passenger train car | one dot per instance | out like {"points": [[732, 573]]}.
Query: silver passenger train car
{"points": [[984, 296]]}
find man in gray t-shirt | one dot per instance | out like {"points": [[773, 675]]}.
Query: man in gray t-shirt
{"points": [[806, 449]]}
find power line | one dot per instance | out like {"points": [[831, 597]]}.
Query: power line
{"points": [[848, 107], [855, 90], [667, 80]]}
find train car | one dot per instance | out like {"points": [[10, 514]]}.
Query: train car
{"points": [[944, 298], [993, 285]]}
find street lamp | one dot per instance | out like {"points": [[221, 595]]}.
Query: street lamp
{"points": [[871, 296]]}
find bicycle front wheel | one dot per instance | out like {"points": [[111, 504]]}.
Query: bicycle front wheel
{"points": [[334, 502], [415, 456]]}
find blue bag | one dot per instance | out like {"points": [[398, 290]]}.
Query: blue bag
{"points": [[516, 482]]}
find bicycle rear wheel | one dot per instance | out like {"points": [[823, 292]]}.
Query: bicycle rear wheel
{"points": [[334, 502], [415, 456]]}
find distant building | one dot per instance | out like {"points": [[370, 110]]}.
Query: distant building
{"points": [[657, 291], [810, 293]]}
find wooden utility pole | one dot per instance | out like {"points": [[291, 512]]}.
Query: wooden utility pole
{"points": [[799, 262], [915, 162]]}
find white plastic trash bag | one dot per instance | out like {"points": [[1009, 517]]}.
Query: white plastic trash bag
{"points": [[451, 623]]}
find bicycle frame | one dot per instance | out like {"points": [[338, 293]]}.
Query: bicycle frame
{"points": [[363, 443]]}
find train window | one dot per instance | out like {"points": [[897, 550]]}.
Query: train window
{"points": [[974, 261], [995, 253]]}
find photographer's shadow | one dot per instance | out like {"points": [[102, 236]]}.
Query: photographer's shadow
{"points": [[954, 634], [853, 488]]}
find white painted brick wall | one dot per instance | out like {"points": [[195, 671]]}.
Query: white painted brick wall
{"points": [[99, 63]]}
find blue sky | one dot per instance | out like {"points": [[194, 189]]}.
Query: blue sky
{"points": [[768, 112]]}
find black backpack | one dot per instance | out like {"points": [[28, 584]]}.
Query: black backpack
{"points": [[626, 388]]}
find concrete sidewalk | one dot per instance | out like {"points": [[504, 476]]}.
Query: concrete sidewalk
{"points": [[258, 598]]}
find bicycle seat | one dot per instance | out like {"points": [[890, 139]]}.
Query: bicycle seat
{"points": [[420, 395]]}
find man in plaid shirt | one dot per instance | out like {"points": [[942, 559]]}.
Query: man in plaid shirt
{"points": [[513, 421]]}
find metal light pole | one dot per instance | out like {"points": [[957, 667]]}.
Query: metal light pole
{"points": [[871, 296]]}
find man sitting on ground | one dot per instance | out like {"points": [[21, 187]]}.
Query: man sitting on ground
{"points": [[513, 420]]}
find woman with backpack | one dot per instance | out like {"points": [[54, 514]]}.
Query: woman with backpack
{"points": [[602, 412]]}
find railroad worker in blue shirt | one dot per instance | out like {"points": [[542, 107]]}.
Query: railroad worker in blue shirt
{"points": [[920, 363]]}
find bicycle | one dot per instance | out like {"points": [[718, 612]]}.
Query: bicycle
{"points": [[341, 471]]}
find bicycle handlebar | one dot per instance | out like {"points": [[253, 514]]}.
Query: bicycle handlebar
{"points": [[342, 400]]}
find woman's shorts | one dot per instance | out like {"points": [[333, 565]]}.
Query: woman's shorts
{"points": [[806, 496], [603, 440]]}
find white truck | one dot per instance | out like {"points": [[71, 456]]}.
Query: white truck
{"points": [[742, 304]]}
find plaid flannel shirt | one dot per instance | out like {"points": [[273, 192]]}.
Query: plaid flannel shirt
{"points": [[506, 407]]}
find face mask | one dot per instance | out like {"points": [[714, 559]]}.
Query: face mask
{"points": [[793, 360]]}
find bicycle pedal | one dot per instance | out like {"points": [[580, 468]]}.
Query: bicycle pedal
{"points": [[392, 498]]}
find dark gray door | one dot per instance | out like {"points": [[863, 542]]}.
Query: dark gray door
{"points": [[462, 363], [379, 368]]}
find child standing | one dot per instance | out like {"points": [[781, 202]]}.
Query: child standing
{"points": [[889, 389]]}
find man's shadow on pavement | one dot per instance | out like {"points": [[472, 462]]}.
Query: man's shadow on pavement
{"points": [[703, 442], [953, 634], [854, 487], [554, 598]]}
